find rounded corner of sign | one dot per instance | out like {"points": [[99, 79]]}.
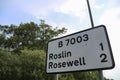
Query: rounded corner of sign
{"points": [[113, 66], [102, 25], [47, 72]]}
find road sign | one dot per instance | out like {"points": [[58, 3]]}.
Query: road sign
{"points": [[81, 51]]}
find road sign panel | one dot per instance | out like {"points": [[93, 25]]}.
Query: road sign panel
{"points": [[81, 51]]}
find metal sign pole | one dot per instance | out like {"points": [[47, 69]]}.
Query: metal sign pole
{"points": [[92, 24], [56, 77], [90, 14], [100, 75]]}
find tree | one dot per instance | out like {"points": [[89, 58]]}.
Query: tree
{"points": [[2, 39], [66, 76], [46, 32], [29, 65], [3, 31], [33, 63], [9, 66], [30, 35]]}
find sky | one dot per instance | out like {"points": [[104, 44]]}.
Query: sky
{"points": [[71, 14]]}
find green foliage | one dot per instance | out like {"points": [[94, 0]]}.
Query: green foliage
{"points": [[2, 40], [30, 35], [90, 75], [33, 64], [29, 65], [66, 76], [9, 66]]}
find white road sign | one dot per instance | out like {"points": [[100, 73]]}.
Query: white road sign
{"points": [[82, 51]]}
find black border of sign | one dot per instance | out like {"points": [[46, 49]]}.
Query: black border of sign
{"points": [[113, 62]]}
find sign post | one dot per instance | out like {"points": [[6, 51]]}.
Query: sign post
{"points": [[90, 14], [55, 76]]}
